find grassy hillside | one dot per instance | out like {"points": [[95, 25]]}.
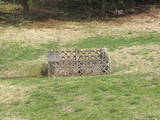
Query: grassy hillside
{"points": [[112, 43], [113, 97], [131, 91], [23, 59]]}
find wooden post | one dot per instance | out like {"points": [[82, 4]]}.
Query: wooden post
{"points": [[105, 60], [103, 8], [25, 6], [49, 69], [53, 57]]}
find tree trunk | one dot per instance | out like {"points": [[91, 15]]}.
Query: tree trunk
{"points": [[25, 7], [103, 8]]}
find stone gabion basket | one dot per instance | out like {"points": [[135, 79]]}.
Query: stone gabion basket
{"points": [[78, 62]]}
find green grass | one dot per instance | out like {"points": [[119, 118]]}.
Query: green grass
{"points": [[142, 52], [23, 58], [19, 51], [116, 96], [134, 96], [112, 97], [112, 43], [8, 6]]}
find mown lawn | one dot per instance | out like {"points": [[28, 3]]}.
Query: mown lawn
{"points": [[116, 96], [113, 42], [102, 97]]}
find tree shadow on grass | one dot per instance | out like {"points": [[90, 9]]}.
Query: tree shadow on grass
{"points": [[58, 16], [18, 77]]}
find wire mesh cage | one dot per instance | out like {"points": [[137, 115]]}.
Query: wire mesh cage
{"points": [[78, 62]]}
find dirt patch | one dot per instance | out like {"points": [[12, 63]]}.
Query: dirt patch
{"points": [[50, 23]]}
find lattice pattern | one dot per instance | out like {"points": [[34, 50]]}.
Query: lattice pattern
{"points": [[78, 62]]}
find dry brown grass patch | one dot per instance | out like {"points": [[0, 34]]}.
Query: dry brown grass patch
{"points": [[143, 63], [36, 36], [12, 118], [68, 109], [10, 94], [70, 31]]}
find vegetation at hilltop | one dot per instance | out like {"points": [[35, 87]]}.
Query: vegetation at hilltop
{"points": [[94, 7]]}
